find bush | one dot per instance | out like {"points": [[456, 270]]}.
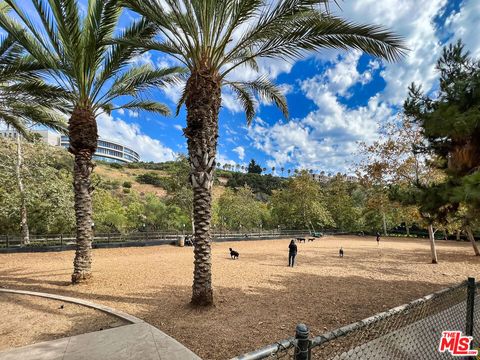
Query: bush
{"points": [[127, 184], [151, 179], [108, 184], [126, 190], [258, 183], [115, 165]]}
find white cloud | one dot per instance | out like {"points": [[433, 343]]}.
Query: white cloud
{"points": [[240, 150], [327, 137], [133, 114], [130, 134], [464, 25], [413, 20], [178, 127]]}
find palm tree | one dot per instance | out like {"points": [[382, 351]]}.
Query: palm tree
{"points": [[26, 100], [212, 38], [83, 59], [282, 169], [273, 169], [289, 171]]}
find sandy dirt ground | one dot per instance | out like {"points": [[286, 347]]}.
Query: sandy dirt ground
{"points": [[29, 319], [259, 299]]}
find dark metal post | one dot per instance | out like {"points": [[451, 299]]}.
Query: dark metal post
{"points": [[302, 348], [61, 240], [470, 306], [8, 243]]}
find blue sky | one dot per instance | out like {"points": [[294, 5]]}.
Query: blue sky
{"points": [[336, 99]]}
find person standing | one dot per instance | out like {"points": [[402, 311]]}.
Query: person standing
{"points": [[292, 252], [378, 238]]}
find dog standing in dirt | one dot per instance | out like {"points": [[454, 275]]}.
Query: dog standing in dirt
{"points": [[234, 254], [340, 252]]}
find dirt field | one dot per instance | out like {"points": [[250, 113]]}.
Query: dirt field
{"points": [[259, 299], [29, 319]]}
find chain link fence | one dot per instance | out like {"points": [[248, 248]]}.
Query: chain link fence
{"points": [[410, 332]]}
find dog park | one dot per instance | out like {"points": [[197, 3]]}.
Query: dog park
{"points": [[259, 299]]}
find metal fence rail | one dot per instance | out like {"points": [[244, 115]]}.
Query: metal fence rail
{"points": [[410, 332]]}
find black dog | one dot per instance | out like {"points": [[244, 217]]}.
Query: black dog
{"points": [[311, 239], [340, 252], [234, 254], [300, 240]]}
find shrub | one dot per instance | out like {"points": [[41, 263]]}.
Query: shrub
{"points": [[115, 165], [127, 184], [151, 179]]}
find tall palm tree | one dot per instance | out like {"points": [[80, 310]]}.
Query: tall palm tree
{"points": [[212, 38], [82, 58], [282, 169], [26, 100]]}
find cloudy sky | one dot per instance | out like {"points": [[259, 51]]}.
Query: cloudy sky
{"points": [[336, 98]]}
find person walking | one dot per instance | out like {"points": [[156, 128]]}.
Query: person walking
{"points": [[378, 238], [292, 252]]}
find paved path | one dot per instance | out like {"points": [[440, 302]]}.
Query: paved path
{"points": [[137, 341], [131, 342]]}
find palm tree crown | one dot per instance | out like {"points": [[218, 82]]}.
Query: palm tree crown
{"points": [[223, 35], [25, 99], [82, 58]]}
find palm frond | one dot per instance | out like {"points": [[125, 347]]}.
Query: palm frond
{"points": [[246, 98], [141, 78], [147, 105]]}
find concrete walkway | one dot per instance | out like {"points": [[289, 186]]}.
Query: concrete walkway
{"points": [[130, 342], [138, 341]]}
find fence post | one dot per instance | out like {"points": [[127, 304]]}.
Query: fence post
{"points": [[302, 348], [61, 240], [8, 242], [470, 306]]}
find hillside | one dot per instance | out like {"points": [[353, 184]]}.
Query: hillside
{"points": [[118, 176]]}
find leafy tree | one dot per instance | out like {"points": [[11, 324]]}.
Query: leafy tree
{"points": [[212, 38], [258, 183], [240, 210], [254, 168], [300, 204], [450, 123], [345, 208], [47, 194], [78, 50]]}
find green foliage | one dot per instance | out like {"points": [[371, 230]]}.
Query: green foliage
{"points": [[450, 123], [254, 168], [127, 184], [260, 184], [240, 210], [301, 204], [115, 165], [152, 179], [48, 191], [344, 201]]}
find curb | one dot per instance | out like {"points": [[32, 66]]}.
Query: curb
{"points": [[106, 309]]}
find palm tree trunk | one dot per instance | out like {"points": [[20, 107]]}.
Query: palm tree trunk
{"points": [[23, 203], [203, 104], [433, 248], [458, 234], [471, 238], [83, 142]]}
